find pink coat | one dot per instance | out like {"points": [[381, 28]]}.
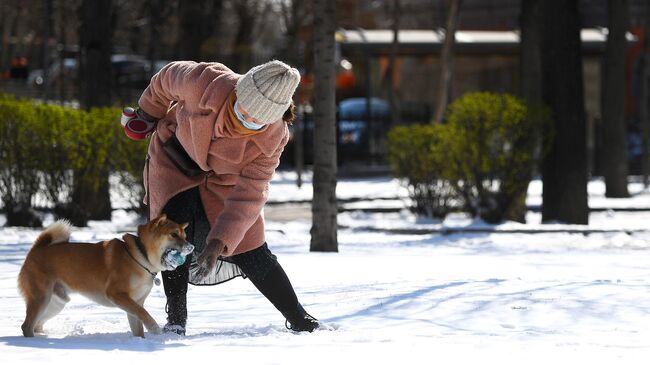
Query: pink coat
{"points": [[238, 168]]}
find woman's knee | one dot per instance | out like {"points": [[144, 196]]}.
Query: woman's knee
{"points": [[256, 263]]}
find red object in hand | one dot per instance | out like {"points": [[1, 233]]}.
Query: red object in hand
{"points": [[135, 126]]}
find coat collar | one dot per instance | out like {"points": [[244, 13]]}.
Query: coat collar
{"points": [[215, 98], [232, 147], [217, 92]]}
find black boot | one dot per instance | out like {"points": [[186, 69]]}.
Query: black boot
{"points": [[175, 283], [277, 288], [176, 309], [184, 207], [299, 320]]}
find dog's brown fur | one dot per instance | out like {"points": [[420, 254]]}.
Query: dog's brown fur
{"points": [[104, 272]]}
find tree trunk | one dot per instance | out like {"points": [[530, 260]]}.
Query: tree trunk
{"points": [[324, 205], [95, 41], [564, 168], [530, 72], [95, 77], [11, 30], [48, 26], [65, 90], [447, 59], [243, 50], [5, 28], [155, 18], [198, 19], [190, 39], [530, 57], [612, 102], [644, 104], [292, 19], [389, 78]]}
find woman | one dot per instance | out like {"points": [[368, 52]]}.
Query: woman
{"points": [[217, 142]]}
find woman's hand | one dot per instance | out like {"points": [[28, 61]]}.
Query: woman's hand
{"points": [[208, 258], [137, 123]]}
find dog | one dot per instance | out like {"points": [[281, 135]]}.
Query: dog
{"points": [[115, 273]]}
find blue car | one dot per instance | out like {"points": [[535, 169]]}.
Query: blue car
{"points": [[353, 130], [356, 125]]}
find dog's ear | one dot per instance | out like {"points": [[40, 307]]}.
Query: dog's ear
{"points": [[184, 225], [161, 218]]}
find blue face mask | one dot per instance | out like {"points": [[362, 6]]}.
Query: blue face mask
{"points": [[242, 120]]}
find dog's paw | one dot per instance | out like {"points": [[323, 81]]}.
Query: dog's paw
{"points": [[154, 329], [28, 331]]}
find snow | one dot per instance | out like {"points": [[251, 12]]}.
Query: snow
{"points": [[501, 297]]}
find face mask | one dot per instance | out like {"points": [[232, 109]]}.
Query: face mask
{"points": [[242, 120]]}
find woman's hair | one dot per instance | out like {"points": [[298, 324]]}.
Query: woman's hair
{"points": [[289, 115]]}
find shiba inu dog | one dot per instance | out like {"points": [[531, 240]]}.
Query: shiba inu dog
{"points": [[116, 273]]}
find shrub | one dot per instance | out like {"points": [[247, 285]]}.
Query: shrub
{"points": [[414, 154], [58, 131], [493, 146], [18, 146], [52, 151], [481, 160], [92, 163]]}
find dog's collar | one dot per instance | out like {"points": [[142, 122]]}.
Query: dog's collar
{"points": [[140, 247]]}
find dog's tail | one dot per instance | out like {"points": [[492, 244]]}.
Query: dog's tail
{"points": [[56, 232]]}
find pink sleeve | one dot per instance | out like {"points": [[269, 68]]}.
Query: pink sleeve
{"points": [[244, 204], [180, 81]]}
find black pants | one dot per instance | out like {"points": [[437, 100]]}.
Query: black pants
{"points": [[259, 265]]}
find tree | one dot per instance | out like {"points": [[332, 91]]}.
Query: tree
{"points": [[530, 58], [157, 11], [17, 24], [198, 20], [613, 101], [530, 63], [324, 206], [294, 20], [95, 36], [564, 168], [389, 76], [247, 11], [447, 59], [46, 34], [644, 94], [61, 85], [5, 12]]}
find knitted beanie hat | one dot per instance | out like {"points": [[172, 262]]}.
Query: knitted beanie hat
{"points": [[265, 91]]}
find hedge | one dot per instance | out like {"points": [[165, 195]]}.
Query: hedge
{"points": [[480, 161], [46, 149], [414, 153]]}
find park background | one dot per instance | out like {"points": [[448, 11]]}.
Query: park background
{"points": [[465, 178]]}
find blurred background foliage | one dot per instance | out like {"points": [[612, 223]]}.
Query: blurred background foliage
{"points": [[48, 153], [480, 161]]}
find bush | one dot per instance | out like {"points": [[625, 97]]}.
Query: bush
{"points": [[492, 141], [18, 146], [58, 130], [92, 162], [50, 150], [414, 154], [483, 158]]}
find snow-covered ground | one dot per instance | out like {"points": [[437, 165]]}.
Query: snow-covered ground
{"points": [[493, 298]]}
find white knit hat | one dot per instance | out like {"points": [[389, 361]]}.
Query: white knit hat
{"points": [[265, 91]]}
